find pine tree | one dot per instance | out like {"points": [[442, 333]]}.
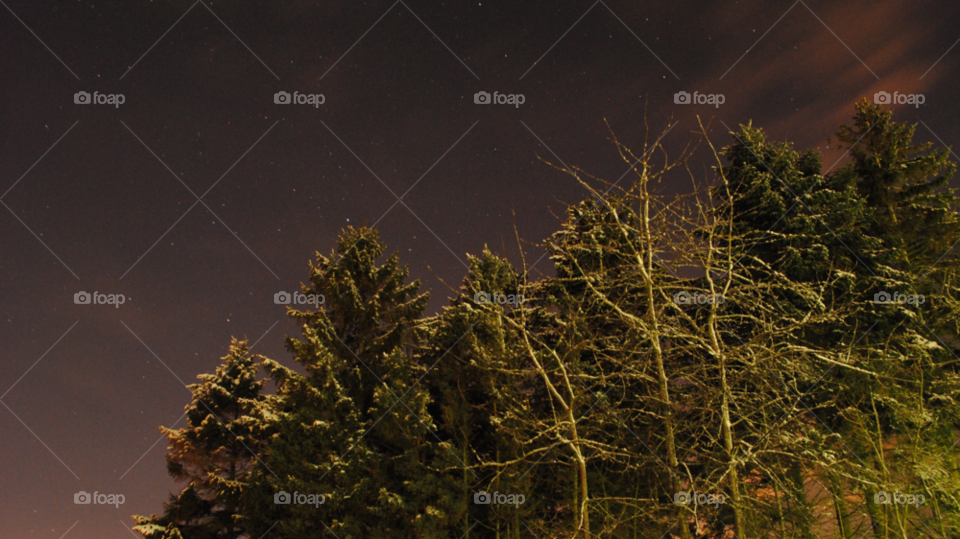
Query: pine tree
{"points": [[214, 453], [476, 395], [904, 185], [355, 428], [602, 395], [878, 224]]}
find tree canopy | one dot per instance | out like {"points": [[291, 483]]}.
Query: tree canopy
{"points": [[773, 353]]}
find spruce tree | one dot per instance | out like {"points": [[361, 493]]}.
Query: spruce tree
{"points": [[478, 397], [905, 186], [877, 225], [214, 453], [355, 428], [602, 395]]}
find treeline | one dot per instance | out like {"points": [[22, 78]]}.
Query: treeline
{"points": [[771, 354]]}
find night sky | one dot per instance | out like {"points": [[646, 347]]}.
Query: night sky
{"points": [[98, 197]]}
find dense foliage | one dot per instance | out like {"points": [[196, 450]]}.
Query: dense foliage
{"points": [[717, 363]]}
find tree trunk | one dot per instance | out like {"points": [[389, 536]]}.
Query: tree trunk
{"points": [[840, 507]]}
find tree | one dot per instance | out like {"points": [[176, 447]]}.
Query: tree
{"points": [[904, 186], [473, 367], [214, 454], [723, 346], [876, 226], [355, 427]]}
